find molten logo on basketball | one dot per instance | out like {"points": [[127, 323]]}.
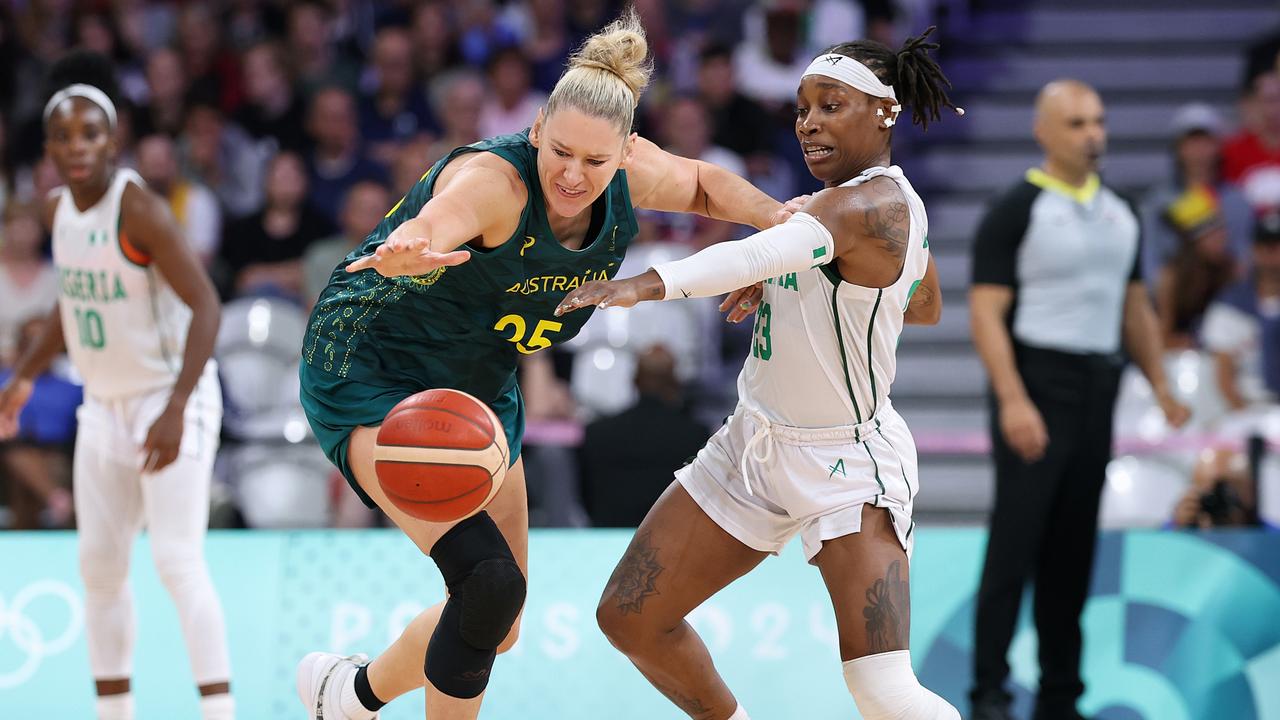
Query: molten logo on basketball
{"points": [[430, 424]]}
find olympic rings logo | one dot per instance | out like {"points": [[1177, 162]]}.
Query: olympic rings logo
{"points": [[18, 628]]}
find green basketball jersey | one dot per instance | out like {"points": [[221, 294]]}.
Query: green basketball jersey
{"points": [[465, 327]]}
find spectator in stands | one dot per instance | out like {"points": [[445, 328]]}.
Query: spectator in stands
{"points": [[481, 33], [738, 123], [272, 111], [773, 54], [621, 478], [212, 70], [1252, 157], [435, 49], [193, 205], [313, 54], [337, 160], [8, 169], [411, 163], [393, 110], [1242, 327], [223, 158], [547, 43], [36, 459], [460, 96], [1222, 493], [1200, 268], [362, 210], [686, 131], [1054, 369], [165, 108], [1197, 157], [28, 281], [511, 104], [263, 252]]}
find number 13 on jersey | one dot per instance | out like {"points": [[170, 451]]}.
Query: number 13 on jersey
{"points": [[537, 341], [762, 342]]}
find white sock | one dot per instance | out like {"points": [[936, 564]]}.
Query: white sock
{"points": [[347, 699], [218, 707], [115, 707], [739, 714]]}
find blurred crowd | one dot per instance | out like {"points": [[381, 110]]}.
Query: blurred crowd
{"points": [[281, 131]]}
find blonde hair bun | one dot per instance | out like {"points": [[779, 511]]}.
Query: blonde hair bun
{"points": [[607, 75]]}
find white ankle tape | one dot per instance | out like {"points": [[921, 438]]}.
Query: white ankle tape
{"points": [[884, 687]]}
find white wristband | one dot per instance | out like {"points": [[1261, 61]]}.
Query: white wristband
{"points": [[801, 243]]}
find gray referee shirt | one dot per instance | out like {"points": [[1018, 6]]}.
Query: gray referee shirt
{"points": [[1069, 254]]}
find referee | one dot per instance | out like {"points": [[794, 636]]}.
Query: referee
{"points": [[1056, 294]]}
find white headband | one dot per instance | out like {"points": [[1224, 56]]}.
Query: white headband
{"points": [[852, 73], [88, 92]]}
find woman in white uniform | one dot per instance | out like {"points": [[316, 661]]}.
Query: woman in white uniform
{"points": [[138, 316], [815, 447]]}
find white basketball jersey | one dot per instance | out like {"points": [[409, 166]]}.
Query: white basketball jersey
{"points": [[825, 351], [124, 326]]}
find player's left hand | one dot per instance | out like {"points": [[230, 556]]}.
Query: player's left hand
{"points": [[1175, 413], [789, 208], [163, 440], [742, 302]]}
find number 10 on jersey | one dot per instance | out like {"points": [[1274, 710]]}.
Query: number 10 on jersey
{"points": [[89, 328]]}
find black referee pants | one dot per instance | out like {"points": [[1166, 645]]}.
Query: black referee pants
{"points": [[1044, 524]]}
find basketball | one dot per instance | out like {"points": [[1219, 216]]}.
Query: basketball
{"points": [[441, 455]]}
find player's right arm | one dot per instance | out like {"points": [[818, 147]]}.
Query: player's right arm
{"points": [[34, 361], [476, 197]]}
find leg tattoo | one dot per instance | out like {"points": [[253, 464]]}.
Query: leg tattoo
{"points": [[637, 575], [692, 706], [888, 611]]}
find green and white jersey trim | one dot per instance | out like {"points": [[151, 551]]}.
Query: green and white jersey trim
{"points": [[826, 351], [124, 327]]}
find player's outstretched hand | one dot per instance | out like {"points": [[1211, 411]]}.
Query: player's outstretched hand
{"points": [[407, 253], [163, 440], [742, 302], [13, 397], [602, 294]]}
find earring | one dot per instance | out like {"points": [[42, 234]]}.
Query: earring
{"points": [[879, 112]]}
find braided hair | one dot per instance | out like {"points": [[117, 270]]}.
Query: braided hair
{"points": [[915, 76]]}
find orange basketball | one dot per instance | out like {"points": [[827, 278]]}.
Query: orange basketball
{"points": [[441, 455]]}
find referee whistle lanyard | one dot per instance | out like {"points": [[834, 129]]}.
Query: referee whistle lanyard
{"points": [[761, 439]]}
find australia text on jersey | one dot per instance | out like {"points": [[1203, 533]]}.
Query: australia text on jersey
{"points": [[557, 283]]}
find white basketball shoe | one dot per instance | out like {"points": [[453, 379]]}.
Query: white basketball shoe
{"points": [[322, 677]]}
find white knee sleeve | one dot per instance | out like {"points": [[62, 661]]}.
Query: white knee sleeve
{"points": [[885, 688]]}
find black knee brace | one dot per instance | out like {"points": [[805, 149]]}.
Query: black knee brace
{"points": [[486, 592]]}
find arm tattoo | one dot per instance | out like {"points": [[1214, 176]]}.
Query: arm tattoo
{"points": [[888, 227], [888, 611], [636, 575], [923, 298], [691, 705]]}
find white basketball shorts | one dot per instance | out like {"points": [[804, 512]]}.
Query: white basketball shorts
{"points": [[115, 430], [764, 482]]}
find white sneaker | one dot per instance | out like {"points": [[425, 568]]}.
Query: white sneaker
{"points": [[321, 678]]}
